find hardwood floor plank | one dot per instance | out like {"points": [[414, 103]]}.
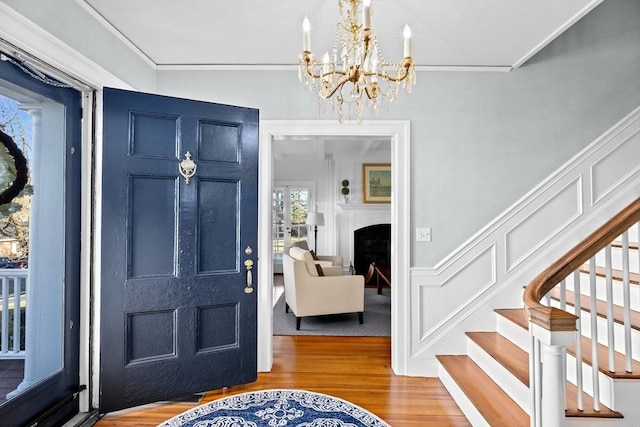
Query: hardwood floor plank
{"points": [[357, 369]]}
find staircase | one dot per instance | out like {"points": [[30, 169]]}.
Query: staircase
{"points": [[492, 382]]}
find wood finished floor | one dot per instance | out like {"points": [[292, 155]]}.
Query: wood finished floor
{"points": [[357, 369]]}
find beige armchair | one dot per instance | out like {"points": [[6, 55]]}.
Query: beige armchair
{"points": [[309, 294]]}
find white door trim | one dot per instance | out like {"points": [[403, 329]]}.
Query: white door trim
{"points": [[399, 133]]}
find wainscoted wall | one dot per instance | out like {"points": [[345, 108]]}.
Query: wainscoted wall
{"points": [[490, 269]]}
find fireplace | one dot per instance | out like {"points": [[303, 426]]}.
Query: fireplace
{"points": [[372, 244]]}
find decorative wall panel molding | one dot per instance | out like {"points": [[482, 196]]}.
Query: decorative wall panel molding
{"points": [[491, 268], [543, 223]]}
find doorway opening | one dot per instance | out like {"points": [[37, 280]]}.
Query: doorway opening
{"points": [[398, 133]]}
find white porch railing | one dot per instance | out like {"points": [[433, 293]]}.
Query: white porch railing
{"points": [[554, 325], [13, 305]]}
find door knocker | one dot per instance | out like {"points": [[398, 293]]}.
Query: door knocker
{"points": [[187, 168]]}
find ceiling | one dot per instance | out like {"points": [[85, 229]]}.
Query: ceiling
{"points": [[268, 33], [494, 35]]}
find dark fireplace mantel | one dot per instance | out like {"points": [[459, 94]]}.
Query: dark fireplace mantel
{"points": [[372, 244]]}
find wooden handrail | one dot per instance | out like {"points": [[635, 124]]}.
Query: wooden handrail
{"points": [[554, 319]]}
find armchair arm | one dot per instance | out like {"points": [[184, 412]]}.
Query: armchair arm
{"points": [[334, 270]]}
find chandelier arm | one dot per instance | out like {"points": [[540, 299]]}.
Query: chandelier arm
{"points": [[406, 64], [339, 85], [319, 76], [390, 77]]}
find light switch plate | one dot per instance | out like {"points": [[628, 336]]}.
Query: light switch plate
{"points": [[423, 234]]}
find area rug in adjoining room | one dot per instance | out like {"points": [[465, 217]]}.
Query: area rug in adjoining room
{"points": [[277, 408], [377, 319]]}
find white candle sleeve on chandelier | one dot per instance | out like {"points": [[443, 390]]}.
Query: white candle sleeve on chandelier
{"points": [[366, 14], [306, 35], [407, 41]]}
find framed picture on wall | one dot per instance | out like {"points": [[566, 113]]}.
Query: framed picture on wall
{"points": [[376, 182]]}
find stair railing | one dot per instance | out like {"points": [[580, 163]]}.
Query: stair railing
{"points": [[13, 288], [552, 329]]}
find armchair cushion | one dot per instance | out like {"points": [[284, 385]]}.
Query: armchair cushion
{"points": [[328, 263]]}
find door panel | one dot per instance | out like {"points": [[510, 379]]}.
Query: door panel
{"points": [[176, 319], [218, 234], [153, 208]]}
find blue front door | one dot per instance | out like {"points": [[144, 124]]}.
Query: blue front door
{"points": [[178, 306]]}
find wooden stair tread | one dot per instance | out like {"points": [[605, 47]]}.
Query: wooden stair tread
{"points": [[587, 403], [519, 317], [489, 399], [601, 307], [603, 357], [516, 361], [634, 278], [516, 315]]}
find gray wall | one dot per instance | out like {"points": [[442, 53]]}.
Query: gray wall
{"points": [[479, 141]]}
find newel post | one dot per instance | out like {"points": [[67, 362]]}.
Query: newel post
{"points": [[553, 330]]}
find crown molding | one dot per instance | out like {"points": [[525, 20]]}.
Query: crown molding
{"points": [[113, 30], [21, 36], [575, 18]]}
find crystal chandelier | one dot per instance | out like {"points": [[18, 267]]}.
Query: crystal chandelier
{"points": [[355, 74]]}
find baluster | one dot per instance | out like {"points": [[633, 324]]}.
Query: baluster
{"points": [[610, 323], [4, 343], [547, 299], [626, 292], [17, 282], [535, 379], [563, 294], [594, 335], [577, 308]]}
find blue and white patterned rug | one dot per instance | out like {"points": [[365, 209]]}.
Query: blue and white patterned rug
{"points": [[277, 408]]}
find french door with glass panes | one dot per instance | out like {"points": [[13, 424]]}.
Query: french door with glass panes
{"points": [[291, 202]]}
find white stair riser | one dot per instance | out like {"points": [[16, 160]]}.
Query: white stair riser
{"points": [[512, 332], [466, 406], [500, 375], [618, 394], [618, 335], [519, 334], [626, 394], [520, 337], [601, 290], [606, 387]]}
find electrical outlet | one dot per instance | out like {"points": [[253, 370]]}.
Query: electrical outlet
{"points": [[423, 234]]}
